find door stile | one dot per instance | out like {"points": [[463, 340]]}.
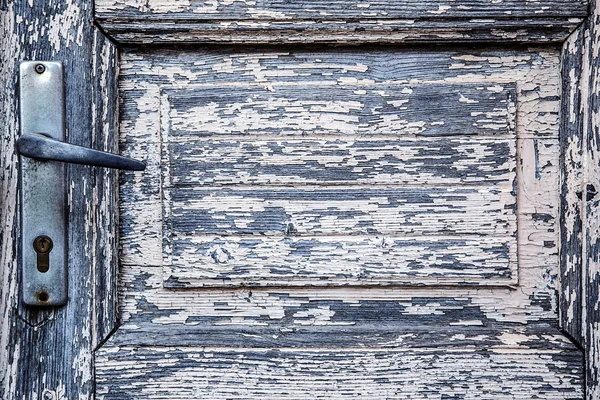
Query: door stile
{"points": [[591, 254], [572, 142], [47, 353]]}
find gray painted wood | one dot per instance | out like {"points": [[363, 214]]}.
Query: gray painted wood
{"points": [[47, 353], [573, 191], [341, 21], [591, 241], [580, 272], [318, 108], [168, 335], [330, 374], [417, 202], [338, 161], [337, 9], [474, 31]]}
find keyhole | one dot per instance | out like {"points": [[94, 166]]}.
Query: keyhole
{"points": [[43, 246]]}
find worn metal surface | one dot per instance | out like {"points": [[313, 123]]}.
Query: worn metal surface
{"points": [[43, 191], [339, 21], [42, 147]]}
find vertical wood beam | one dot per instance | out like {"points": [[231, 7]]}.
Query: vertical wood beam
{"points": [[591, 251], [47, 353], [572, 184]]}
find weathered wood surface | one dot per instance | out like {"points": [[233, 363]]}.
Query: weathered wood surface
{"points": [[306, 235], [331, 260], [337, 9], [307, 342], [517, 352], [350, 66], [376, 31], [330, 374], [48, 353], [144, 82], [339, 161], [341, 21], [320, 237], [591, 236], [373, 129], [573, 191], [343, 211], [317, 108]]}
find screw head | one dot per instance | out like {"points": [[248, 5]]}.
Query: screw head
{"points": [[42, 297], [39, 68]]}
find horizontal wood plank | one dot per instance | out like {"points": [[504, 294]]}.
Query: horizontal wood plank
{"points": [[341, 161], [330, 324], [337, 9], [340, 21], [428, 211], [365, 31], [326, 108], [403, 373], [197, 261]]}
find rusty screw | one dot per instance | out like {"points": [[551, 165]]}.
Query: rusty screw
{"points": [[39, 68]]}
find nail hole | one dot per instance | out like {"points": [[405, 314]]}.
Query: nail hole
{"points": [[43, 296]]}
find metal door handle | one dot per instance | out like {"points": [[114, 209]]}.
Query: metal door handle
{"points": [[42, 147], [44, 192]]}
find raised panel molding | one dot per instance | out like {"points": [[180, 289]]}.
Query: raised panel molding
{"points": [[320, 184]]}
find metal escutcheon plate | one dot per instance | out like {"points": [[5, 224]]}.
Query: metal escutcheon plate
{"points": [[43, 192]]}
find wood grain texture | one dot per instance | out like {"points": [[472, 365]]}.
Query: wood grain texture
{"points": [[351, 373], [591, 241], [340, 21], [327, 237], [307, 235], [337, 9], [104, 191], [47, 353], [573, 191], [339, 161], [9, 218], [141, 213], [306, 341], [318, 108], [310, 211], [329, 261]]}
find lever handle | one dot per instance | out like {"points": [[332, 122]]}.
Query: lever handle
{"points": [[42, 147]]}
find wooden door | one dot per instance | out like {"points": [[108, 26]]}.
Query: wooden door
{"points": [[342, 200]]}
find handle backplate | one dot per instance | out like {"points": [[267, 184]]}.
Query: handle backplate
{"points": [[43, 191]]}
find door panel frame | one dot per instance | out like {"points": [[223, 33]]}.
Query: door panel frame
{"points": [[48, 353]]}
